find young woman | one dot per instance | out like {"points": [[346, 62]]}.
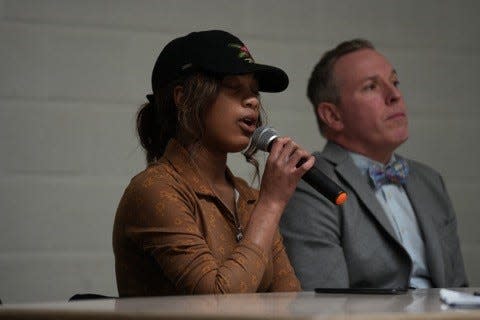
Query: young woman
{"points": [[186, 225]]}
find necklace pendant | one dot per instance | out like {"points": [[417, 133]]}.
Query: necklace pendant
{"points": [[239, 235]]}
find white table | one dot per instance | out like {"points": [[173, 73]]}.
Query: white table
{"points": [[415, 304]]}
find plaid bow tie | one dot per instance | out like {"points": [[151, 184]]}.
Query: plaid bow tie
{"points": [[395, 172]]}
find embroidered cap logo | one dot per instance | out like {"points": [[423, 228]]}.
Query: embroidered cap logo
{"points": [[243, 52]]}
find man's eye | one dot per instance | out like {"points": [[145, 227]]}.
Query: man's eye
{"points": [[371, 86], [396, 83]]}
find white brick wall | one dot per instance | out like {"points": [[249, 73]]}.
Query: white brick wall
{"points": [[72, 74]]}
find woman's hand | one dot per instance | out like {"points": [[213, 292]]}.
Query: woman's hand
{"points": [[280, 177], [286, 164]]}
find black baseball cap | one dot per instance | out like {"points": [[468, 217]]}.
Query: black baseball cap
{"points": [[217, 52]]}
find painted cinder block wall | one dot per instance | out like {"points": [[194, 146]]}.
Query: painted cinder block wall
{"points": [[73, 73]]}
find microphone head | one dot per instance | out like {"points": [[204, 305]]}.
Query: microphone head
{"points": [[262, 137]]}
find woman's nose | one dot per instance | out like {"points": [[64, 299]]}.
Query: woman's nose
{"points": [[252, 102]]}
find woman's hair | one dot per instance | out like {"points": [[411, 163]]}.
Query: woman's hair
{"points": [[160, 119]]}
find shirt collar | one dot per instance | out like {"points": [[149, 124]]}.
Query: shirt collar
{"points": [[363, 163], [180, 159]]}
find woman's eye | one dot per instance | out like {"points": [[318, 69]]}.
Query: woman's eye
{"points": [[232, 87]]}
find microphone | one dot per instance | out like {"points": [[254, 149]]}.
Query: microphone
{"points": [[263, 139]]}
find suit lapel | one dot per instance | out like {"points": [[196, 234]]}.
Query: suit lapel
{"points": [[359, 184], [417, 193]]}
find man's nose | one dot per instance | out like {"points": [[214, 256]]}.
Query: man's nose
{"points": [[393, 94]]}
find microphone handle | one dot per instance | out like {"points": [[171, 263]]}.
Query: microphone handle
{"points": [[323, 184], [318, 180]]}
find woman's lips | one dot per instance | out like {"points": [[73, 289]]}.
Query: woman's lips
{"points": [[248, 124]]}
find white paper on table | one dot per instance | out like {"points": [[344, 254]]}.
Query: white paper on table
{"points": [[459, 299]]}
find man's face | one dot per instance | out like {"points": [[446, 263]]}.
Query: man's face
{"points": [[371, 108]]}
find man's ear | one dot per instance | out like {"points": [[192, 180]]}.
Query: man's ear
{"points": [[330, 115], [178, 92]]}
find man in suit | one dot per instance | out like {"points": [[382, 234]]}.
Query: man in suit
{"points": [[398, 227]]}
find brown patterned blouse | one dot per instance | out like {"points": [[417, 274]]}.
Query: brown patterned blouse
{"points": [[173, 235]]}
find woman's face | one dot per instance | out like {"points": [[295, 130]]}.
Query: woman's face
{"points": [[232, 118]]}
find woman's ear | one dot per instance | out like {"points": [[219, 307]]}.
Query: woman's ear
{"points": [[330, 115], [178, 92]]}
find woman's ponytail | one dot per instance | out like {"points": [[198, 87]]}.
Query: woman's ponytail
{"points": [[157, 123]]}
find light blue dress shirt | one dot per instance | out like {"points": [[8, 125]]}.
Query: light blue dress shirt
{"points": [[398, 209]]}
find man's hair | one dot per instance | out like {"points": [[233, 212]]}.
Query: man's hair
{"points": [[321, 85]]}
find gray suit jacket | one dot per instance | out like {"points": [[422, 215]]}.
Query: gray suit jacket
{"points": [[354, 245]]}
